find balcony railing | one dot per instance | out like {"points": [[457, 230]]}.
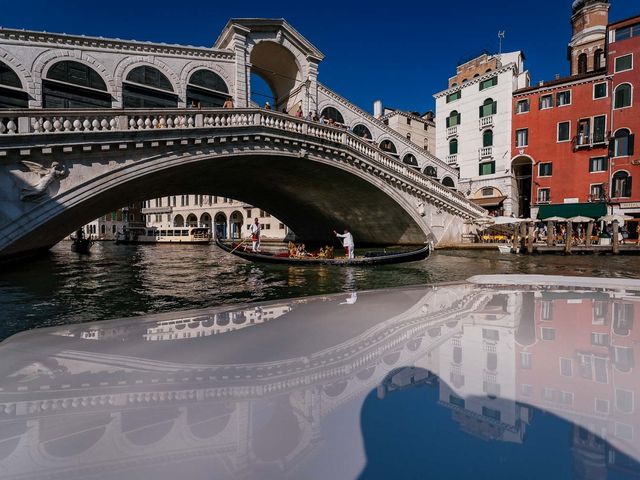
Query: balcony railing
{"points": [[486, 152], [486, 122], [452, 159], [156, 210], [592, 140], [452, 131]]}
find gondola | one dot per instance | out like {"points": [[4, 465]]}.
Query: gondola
{"points": [[372, 258], [81, 245]]}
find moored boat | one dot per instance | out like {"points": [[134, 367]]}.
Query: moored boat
{"points": [[134, 235], [370, 258]]}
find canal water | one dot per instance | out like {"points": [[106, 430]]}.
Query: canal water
{"points": [[120, 281]]}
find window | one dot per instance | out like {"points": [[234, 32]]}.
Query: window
{"points": [[563, 98], [596, 191], [621, 185], [70, 84], [583, 132], [491, 82], [622, 96], [564, 129], [600, 339], [546, 101], [599, 129], [566, 367], [453, 119], [548, 334], [488, 334], [526, 360], [600, 90], [452, 97], [624, 63], [362, 131], [457, 401], [545, 169], [522, 106], [147, 87], [627, 32], [331, 113], [453, 147], [281, 226], [487, 138], [487, 168], [582, 63], [487, 192], [522, 137], [624, 400], [491, 413], [602, 406], [488, 108], [598, 59], [207, 89], [623, 143], [544, 196], [430, 171]]}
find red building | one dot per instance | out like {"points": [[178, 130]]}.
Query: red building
{"points": [[574, 136]]}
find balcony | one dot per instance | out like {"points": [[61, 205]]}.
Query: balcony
{"points": [[452, 131], [587, 141], [452, 159], [486, 122], [486, 152]]}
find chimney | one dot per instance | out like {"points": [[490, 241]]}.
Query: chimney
{"points": [[377, 108], [541, 83], [557, 76]]}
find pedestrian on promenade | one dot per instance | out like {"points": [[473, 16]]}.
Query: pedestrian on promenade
{"points": [[347, 242], [228, 103], [255, 235]]}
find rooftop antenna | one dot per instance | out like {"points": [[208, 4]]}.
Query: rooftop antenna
{"points": [[501, 34]]}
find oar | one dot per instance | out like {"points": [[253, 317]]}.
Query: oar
{"points": [[237, 246]]}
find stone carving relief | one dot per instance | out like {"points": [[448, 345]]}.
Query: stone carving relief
{"points": [[46, 177]]}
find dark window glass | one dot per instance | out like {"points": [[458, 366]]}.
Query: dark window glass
{"points": [[491, 82], [388, 146], [599, 129], [563, 98], [545, 169], [148, 87], [623, 33], [332, 113], [453, 147], [71, 84], [598, 164], [77, 74], [149, 76], [582, 63], [487, 138], [624, 63], [487, 168], [362, 131], [600, 90], [623, 96], [621, 185], [522, 106], [207, 89], [430, 171], [8, 77], [453, 119], [546, 101], [564, 131], [489, 107], [410, 159], [452, 97]]}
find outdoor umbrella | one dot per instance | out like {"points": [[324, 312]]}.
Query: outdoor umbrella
{"points": [[613, 218], [580, 219], [555, 219]]}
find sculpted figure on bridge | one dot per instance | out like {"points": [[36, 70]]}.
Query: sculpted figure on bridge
{"points": [[47, 177]]}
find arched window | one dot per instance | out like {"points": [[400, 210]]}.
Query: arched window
{"points": [[488, 70], [388, 146], [430, 171], [623, 143], [70, 84], [362, 131], [448, 182], [410, 160], [207, 89], [453, 119], [11, 93], [598, 59], [487, 138], [178, 221], [453, 147], [582, 63], [148, 87], [488, 108], [621, 185], [622, 96], [331, 113]]}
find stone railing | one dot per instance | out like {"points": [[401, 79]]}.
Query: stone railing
{"points": [[452, 131], [8, 125], [452, 159], [486, 121], [64, 122], [486, 152]]}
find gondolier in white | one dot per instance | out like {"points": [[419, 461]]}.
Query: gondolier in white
{"points": [[347, 243], [255, 235]]}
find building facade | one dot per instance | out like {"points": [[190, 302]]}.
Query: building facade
{"points": [[107, 226], [473, 127]]}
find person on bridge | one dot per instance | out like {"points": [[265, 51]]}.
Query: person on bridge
{"points": [[255, 235], [267, 106], [228, 103], [347, 242]]}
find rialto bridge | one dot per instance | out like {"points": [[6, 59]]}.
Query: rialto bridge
{"points": [[88, 125]]}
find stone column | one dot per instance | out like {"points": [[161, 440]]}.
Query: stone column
{"points": [[567, 243], [242, 68], [311, 102], [615, 241]]}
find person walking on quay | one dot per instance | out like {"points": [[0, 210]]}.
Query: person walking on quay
{"points": [[255, 235], [347, 242]]}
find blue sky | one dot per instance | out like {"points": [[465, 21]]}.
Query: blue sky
{"points": [[400, 51]]}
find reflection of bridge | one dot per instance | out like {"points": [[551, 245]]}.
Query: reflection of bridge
{"points": [[103, 123]]}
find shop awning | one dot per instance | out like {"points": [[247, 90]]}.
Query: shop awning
{"points": [[568, 210], [488, 201]]}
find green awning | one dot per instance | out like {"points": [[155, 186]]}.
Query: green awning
{"points": [[568, 210]]}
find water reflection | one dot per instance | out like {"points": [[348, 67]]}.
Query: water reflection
{"points": [[523, 382]]}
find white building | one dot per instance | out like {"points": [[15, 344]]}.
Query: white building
{"points": [[473, 127], [228, 218]]}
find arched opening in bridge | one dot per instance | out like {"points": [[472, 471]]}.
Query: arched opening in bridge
{"points": [[205, 220], [206, 89], [70, 84], [220, 225], [448, 182], [178, 221], [362, 131], [332, 114], [388, 147], [192, 220], [522, 167], [410, 159], [12, 94], [236, 221], [431, 171], [148, 87], [278, 68]]}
